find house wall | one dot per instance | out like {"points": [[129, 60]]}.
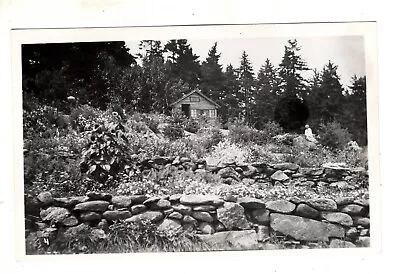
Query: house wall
{"points": [[203, 104]]}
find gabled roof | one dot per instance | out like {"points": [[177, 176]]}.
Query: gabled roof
{"points": [[199, 93]]}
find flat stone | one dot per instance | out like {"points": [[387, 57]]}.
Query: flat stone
{"points": [[116, 215], [307, 211], [362, 221], [261, 216], [121, 201], [279, 176], [201, 200], [182, 209], [230, 198], [202, 216], [305, 183], [90, 216], [161, 204], [136, 209], [344, 200], [175, 198], [362, 202], [152, 216], [170, 225], [336, 243], [45, 198], [295, 200], [284, 166], [312, 171], [338, 218], [239, 240], [323, 204], [70, 201], [204, 208], [206, 228], [304, 229], [281, 206], [250, 203], [151, 201], [354, 210], [167, 211], [175, 215], [94, 195], [92, 206], [232, 216], [138, 199], [189, 220]]}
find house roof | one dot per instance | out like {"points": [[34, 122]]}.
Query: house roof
{"points": [[199, 93]]}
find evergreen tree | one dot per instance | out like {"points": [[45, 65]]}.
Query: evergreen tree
{"points": [[292, 82], [355, 110], [211, 83], [182, 62], [246, 80], [266, 96], [230, 108]]}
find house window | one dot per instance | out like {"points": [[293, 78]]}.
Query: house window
{"points": [[213, 113], [194, 99], [193, 113]]}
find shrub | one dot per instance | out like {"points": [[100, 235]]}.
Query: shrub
{"points": [[242, 134], [333, 135], [272, 129], [192, 125], [107, 152], [225, 152]]}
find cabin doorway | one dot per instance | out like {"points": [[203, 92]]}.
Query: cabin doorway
{"points": [[186, 110]]}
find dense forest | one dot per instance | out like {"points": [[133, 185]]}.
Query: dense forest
{"points": [[106, 74]]}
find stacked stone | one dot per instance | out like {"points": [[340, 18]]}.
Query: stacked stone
{"points": [[243, 222], [231, 173]]}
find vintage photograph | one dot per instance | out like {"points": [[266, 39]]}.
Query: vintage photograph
{"points": [[186, 144]]}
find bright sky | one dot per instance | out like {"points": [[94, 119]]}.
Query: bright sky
{"points": [[345, 51]]}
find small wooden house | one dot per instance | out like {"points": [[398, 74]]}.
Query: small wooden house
{"points": [[195, 105]]}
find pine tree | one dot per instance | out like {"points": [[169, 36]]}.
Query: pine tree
{"points": [[246, 80], [292, 82], [182, 62], [266, 95], [211, 83], [230, 108]]}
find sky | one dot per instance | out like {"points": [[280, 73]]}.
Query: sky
{"points": [[347, 52]]}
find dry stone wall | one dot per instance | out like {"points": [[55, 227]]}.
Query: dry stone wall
{"points": [[244, 222]]}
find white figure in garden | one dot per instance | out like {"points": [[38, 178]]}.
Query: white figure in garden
{"points": [[309, 135]]}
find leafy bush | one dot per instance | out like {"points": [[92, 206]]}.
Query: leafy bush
{"points": [[272, 129], [241, 134], [107, 152], [333, 135], [192, 125]]}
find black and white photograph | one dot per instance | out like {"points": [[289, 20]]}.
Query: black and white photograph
{"points": [[197, 140]]}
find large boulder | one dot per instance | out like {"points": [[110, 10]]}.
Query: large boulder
{"points": [[229, 172], [45, 198], [260, 216], [232, 216], [354, 210], [202, 216], [239, 240], [304, 229], [58, 215]]}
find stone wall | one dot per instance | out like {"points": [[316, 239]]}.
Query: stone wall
{"points": [[244, 223]]}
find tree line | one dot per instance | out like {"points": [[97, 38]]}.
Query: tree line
{"points": [[105, 74]]}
